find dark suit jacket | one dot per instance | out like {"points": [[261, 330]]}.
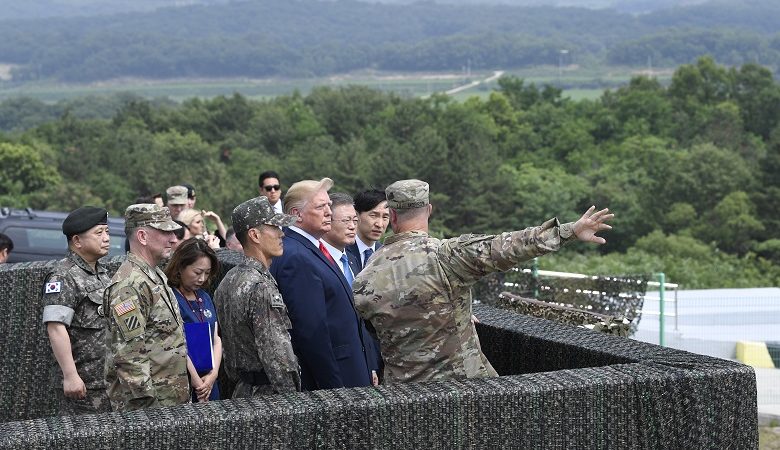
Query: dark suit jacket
{"points": [[327, 333], [375, 351], [355, 258]]}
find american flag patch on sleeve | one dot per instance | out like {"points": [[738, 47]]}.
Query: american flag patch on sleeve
{"points": [[124, 307]]}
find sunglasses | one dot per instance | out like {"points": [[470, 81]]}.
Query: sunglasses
{"points": [[272, 187]]}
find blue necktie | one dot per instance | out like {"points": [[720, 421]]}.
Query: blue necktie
{"points": [[347, 271], [367, 254]]}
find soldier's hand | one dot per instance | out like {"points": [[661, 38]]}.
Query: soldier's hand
{"points": [[74, 387], [591, 223], [374, 378]]}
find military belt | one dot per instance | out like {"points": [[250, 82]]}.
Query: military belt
{"points": [[254, 378]]}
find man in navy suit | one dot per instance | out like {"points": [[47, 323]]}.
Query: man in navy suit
{"points": [[327, 333], [373, 218]]}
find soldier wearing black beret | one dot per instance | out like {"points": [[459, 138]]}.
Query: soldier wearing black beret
{"points": [[73, 313]]}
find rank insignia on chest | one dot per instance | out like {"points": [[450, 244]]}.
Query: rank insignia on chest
{"points": [[53, 287], [124, 308], [207, 313]]}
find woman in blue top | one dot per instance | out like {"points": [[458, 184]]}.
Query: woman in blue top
{"points": [[193, 266]]}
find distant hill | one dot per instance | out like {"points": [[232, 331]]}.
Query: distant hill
{"points": [[628, 6], [300, 38], [40, 9]]}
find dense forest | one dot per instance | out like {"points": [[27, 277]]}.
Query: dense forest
{"points": [[692, 170], [302, 38]]}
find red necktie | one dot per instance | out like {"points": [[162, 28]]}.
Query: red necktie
{"points": [[326, 253]]}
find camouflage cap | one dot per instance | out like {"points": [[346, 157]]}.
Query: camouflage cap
{"points": [[177, 195], [258, 211], [406, 194], [149, 215]]}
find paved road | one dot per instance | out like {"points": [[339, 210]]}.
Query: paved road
{"points": [[496, 75]]}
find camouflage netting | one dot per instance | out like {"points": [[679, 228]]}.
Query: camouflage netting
{"points": [[618, 297], [564, 314], [562, 387]]}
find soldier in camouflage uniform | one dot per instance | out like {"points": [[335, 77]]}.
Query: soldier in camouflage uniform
{"points": [[253, 315], [73, 313], [146, 362], [415, 290]]}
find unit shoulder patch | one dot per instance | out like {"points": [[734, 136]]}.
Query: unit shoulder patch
{"points": [[127, 315]]}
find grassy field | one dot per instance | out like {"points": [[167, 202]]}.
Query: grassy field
{"points": [[577, 82], [768, 438]]}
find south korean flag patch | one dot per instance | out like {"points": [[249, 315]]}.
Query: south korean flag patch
{"points": [[53, 287]]}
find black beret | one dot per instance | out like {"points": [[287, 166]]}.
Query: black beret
{"points": [[83, 219]]}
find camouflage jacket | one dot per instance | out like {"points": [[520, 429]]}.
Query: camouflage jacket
{"points": [[73, 296], [255, 326], [415, 291], [146, 362]]}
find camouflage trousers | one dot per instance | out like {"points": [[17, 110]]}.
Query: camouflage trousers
{"points": [[246, 390], [95, 402]]}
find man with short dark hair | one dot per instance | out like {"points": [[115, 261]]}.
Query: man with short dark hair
{"points": [[74, 316], [373, 218], [343, 223], [254, 317], [146, 360], [416, 291], [6, 247], [191, 198], [269, 187]]}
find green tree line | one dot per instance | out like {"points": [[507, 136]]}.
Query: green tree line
{"points": [[692, 170], [301, 38]]}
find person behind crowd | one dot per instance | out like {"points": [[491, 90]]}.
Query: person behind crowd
{"points": [[191, 197], [343, 224], [182, 234], [269, 187], [146, 359], [177, 200], [327, 334], [193, 220], [373, 215], [231, 241], [73, 313], [155, 198], [255, 323], [6, 247], [415, 290], [194, 266]]}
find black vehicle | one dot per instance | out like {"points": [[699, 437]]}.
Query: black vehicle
{"points": [[37, 235]]}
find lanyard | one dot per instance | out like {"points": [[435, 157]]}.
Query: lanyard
{"points": [[199, 312]]}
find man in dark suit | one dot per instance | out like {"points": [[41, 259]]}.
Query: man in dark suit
{"points": [[327, 334], [373, 218]]}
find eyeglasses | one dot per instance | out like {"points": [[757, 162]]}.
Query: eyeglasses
{"points": [[347, 220], [272, 187]]}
